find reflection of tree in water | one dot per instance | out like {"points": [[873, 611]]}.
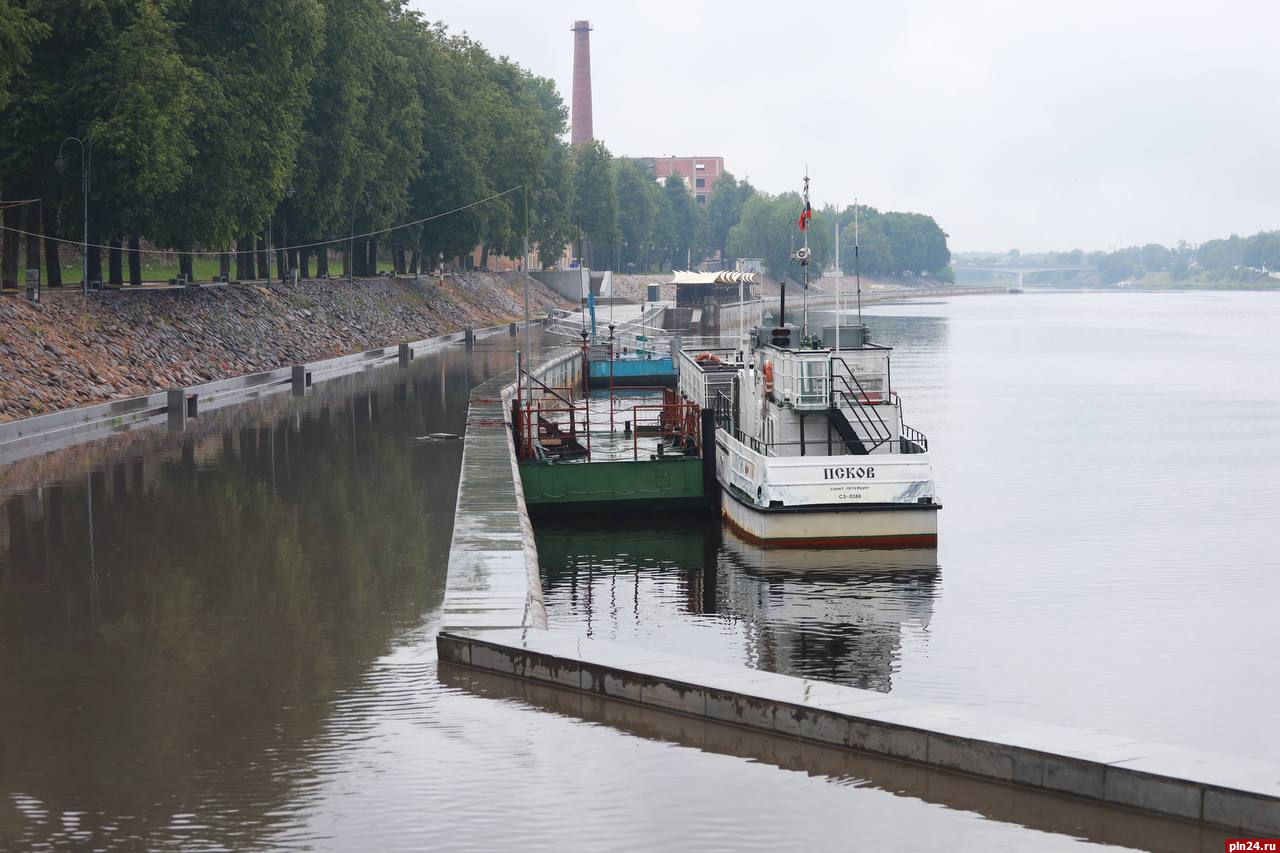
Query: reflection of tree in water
{"points": [[183, 657]]}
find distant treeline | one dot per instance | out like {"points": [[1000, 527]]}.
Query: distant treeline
{"points": [[890, 244], [1234, 257], [213, 126]]}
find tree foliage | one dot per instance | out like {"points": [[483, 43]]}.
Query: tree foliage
{"points": [[17, 31], [308, 121]]}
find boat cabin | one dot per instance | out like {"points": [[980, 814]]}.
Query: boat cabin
{"points": [[788, 399]]}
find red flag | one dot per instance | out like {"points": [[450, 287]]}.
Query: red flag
{"points": [[806, 216]]}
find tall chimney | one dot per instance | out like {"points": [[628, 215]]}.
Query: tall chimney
{"points": [[580, 130]]}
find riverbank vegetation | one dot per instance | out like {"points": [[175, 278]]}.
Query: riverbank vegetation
{"points": [[1233, 261], [224, 131]]}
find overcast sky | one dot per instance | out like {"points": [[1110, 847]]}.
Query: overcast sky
{"points": [[1016, 124]]}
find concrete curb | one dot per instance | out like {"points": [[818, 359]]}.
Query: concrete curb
{"points": [[1236, 794]]}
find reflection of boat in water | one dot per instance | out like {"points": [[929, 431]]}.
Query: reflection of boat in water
{"points": [[835, 615], [685, 586]]}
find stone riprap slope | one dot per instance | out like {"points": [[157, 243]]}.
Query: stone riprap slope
{"points": [[67, 352]]}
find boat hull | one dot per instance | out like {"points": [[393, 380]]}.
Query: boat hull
{"points": [[841, 526]]}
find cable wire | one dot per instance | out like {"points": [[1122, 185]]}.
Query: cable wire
{"points": [[202, 253]]}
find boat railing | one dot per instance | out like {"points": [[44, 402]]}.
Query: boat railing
{"points": [[549, 428], [853, 398], [673, 422], [869, 368], [913, 441], [706, 372]]}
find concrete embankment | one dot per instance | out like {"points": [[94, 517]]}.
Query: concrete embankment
{"points": [[68, 351]]}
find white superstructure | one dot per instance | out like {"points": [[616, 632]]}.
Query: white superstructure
{"points": [[811, 447]]}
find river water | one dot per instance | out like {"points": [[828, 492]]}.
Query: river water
{"points": [[1109, 544], [224, 639]]}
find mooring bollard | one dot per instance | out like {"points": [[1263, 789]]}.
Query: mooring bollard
{"points": [[406, 355], [301, 380], [177, 408]]}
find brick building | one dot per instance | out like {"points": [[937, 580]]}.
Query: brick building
{"points": [[700, 173]]}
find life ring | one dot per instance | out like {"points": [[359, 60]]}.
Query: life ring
{"points": [[710, 358], [768, 376]]}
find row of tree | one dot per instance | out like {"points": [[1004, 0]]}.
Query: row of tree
{"points": [[211, 126], [1230, 257], [647, 224], [631, 222], [235, 126]]}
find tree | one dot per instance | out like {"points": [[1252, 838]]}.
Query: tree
{"points": [[595, 200], [323, 180], [683, 224], [1155, 257], [874, 253], [724, 210], [1262, 251], [769, 229], [18, 31], [456, 143], [1219, 255], [144, 96], [255, 60], [638, 208]]}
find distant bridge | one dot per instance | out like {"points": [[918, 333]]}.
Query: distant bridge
{"points": [[1020, 271]]}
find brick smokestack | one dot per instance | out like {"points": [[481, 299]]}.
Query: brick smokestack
{"points": [[580, 129]]}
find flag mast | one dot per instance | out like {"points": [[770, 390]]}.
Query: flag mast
{"points": [[804, 299]]}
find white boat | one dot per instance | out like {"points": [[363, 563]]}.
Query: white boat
{"points": [[811, 447]]}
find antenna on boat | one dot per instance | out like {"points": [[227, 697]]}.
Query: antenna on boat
{"points": [[857, 271], [839, 276]]}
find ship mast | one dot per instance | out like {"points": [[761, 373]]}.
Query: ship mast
{"points": [[804, 297], [801, 257]]}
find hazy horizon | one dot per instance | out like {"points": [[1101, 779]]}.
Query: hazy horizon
{"points": [[1014, 126]]}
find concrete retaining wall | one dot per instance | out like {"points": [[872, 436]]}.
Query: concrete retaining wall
{"points": [[571, 284], [1236, 794]]}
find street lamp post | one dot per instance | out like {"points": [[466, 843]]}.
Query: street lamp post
{"points": [[284, 234], [86, 155]]}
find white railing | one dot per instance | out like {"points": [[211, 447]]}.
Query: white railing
{"points": [[693, 381], [745, 468], [864, 372]]}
